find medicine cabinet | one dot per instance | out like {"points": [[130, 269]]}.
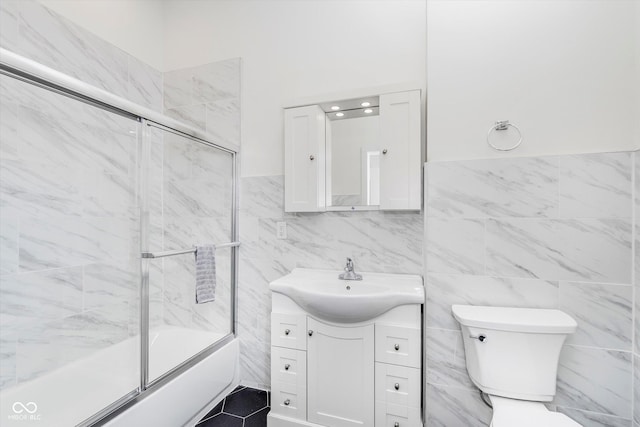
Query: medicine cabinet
{"points": [[355, 154]]}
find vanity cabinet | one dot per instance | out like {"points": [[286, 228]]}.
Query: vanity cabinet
{"points": [[344, 375], [387, 169]]}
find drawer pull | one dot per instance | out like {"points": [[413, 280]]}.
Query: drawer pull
{"points": [[310, 332], [287, 402], [397, 347], [287, 331], [396, 386], [396, 424], [286, 367]]}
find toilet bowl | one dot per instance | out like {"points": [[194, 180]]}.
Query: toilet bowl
{"points": [[512, 355], [522, 413]]}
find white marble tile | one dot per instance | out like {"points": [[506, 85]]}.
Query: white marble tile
{"points": [[446, 364], [444, 290], [262, 197], [192, 115], [105, 195], [8, 240], [8, 129], [604, 314], [636, 388], [594, 419], [516, 187], [178, 88], [451, 406], [144, 85], [595, 380], [31, 298], [109, 285], [597, 250], [595, 185], [455, 245], [54, 41], [7, 359], [636, 322], [51, 345], [636, 180], [223, 120], [9, 24], [216, 81]]}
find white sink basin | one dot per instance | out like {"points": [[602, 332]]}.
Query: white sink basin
{"points": [[323, 295]]}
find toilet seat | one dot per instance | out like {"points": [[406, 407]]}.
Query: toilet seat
{"points": [[523, 413]]}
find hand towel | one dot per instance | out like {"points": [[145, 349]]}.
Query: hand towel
{"points": [[205, 273]]}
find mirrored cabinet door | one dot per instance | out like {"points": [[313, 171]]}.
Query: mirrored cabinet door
{"points": [[354, 154]]}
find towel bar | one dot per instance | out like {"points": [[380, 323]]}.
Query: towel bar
{"points": [[184, 251]]}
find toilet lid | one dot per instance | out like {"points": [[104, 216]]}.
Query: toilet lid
{"points": [[532, 419]]}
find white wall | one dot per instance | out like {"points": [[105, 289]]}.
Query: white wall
{"points": [[565, 71], [293, 49], [136, 27]]}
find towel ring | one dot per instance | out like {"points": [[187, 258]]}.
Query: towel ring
{"points": [[499, 126]]}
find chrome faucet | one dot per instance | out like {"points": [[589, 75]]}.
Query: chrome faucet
{"points": [[349, 272]]}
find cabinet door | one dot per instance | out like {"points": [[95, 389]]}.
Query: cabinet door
{"points": [[401, 161], [304, 159], [340, 375]]}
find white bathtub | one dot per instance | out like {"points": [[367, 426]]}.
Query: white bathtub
{"points": [[74, 392]]}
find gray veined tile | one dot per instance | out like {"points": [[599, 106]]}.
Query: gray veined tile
{"points": [[636, 178], [446, 363], [516, 187], [597, 250], [58, 43], [595, 185], [8, 129], [145, 85], [223, 120], [31, 298], [595, 380], [636, 388], [192, 115], [9, 231], [262, 197], [8, 341], [178, 88], [9, 25], [455, 245], [451, 406], [216, 81], [604, 314], [594, 419], [110, 284], [444, 290]]}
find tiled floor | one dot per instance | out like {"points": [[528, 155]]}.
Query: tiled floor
{"points": [[243, 407]]}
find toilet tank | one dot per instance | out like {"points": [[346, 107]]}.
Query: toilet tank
{"points": [[513, 352]]}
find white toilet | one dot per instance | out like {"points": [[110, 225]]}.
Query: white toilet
{"points": [[512, 355]]}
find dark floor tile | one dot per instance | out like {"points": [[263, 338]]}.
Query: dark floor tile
{"points": [[245, 402], [222, 420], [215, 411], [240, 387], [259, 419]]}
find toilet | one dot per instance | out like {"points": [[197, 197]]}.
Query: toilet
{"points": [[512, 356]]}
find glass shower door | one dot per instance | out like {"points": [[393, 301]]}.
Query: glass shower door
{"points": [[191, 200], [69, 257]]}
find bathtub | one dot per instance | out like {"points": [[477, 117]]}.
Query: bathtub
{"points": [[80, 389]]}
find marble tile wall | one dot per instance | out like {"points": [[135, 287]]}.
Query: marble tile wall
{"points": [[636, 276], [548, 232], [69, 228], [378, 241]]}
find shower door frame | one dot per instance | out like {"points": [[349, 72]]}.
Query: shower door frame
{"points": [[31, 72]]}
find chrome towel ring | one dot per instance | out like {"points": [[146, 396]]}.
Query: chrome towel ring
{"points": [[500, 126]]}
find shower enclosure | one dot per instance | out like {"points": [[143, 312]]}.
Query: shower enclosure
{"points": [[101, 205]]}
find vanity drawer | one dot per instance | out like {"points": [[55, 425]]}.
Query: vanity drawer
{"points": [[289, 330], [398, 345], [289, 400], [289, 366], [390, 415], [398, 385]]}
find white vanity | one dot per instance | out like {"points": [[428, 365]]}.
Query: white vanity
{"points": [[346, 352]]}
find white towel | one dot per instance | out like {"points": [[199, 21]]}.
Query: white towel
{"points": [[205, 273]]}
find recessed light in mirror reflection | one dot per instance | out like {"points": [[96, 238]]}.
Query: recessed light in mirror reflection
{"points": [[365, 104], [339, 114], [368, 111], [335, 108]]}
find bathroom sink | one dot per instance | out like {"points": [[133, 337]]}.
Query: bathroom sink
{"points": [[323, 295]]}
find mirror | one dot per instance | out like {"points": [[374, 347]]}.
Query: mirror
{"points": [[353, 152]]}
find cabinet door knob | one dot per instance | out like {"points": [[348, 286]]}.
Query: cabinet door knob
{"points": [[287, 402], [397, 347], [286, 367], [311, 157], [310, 332], [287, 331], [396, 386], [385, 152], [396, 424]]}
